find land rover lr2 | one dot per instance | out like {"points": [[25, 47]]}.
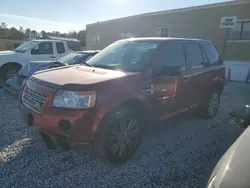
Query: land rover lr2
{"points": [[108, 102]]}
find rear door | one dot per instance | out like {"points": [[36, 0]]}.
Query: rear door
{"points": [[215, 70], [196, 73], [171, 92], [43, 52]]}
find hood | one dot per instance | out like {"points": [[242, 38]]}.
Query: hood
{"points": [[78, 75], [6, 52], [34, 66], [234, 167], [12, 56]]}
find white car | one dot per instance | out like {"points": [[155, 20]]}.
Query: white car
{"points": [[233, 169], [35, 50]]}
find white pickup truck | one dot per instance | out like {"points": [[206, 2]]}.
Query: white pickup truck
{"points": [[35, 50]]}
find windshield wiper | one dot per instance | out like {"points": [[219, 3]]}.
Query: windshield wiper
{"points": [[106, 67], [84, 63]]}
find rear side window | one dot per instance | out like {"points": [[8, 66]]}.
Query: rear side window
{"points": [[212, 54], [173, 55], [60, 48], [193, 54]]}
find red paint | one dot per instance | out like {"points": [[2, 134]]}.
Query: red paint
{"points": [[114, 88]]}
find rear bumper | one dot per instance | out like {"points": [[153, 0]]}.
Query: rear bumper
{"points": [[82, 124]]}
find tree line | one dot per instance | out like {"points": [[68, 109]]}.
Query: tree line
{"points": [[27, 34]]}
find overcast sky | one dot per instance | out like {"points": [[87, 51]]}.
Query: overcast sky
{"points": [[65, 15]]}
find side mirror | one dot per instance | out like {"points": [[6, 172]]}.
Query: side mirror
{"points": [[168, 71]]}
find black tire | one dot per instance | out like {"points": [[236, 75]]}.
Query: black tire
{"points": [[8, 71], [210, 108], [64, 145], [129, 136], [48, 141]]}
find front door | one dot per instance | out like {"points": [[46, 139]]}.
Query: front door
{"points": [[43, 52], [171, 92]]}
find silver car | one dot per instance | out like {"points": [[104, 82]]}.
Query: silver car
{"points": [[233, 169]]}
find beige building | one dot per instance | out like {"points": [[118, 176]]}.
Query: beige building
{"points": [[8, 44], [193, 22]]}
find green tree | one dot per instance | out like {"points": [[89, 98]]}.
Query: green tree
{"points": [[27, 33], [3, 25], [33, 34], [43, 34], [81, 36]]}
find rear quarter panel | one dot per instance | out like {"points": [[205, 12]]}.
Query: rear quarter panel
{"points": [[215, 76]]}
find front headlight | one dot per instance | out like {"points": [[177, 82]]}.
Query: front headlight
{"points": [[74, 100]]}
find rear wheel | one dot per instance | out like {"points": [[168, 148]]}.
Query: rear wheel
{"points": [[120, 136], [210, 108]]}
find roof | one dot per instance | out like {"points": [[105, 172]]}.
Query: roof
{"points": [[89, 51], [64, 38], [41, 40], [162, 39], [229, 3]]}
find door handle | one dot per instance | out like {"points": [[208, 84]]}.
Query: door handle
{"points": [[186, 79], [52, 56]]}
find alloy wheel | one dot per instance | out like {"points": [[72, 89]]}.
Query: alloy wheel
{"points": [[125, 137], [213, 104]]}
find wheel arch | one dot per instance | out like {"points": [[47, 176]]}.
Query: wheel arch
{"points": [[10, 64], [137, 105], [219, 85]]}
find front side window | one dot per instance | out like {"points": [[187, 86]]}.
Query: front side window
{"points": [[43, 48], [60, 48], [161, 32], [240, 32], [212, 54], [97, 39], [173, 56], [193, 54], [130, 56]]}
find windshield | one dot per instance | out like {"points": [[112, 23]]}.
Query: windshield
{"points": [[73, 58], [130, 56], [24, 47]]}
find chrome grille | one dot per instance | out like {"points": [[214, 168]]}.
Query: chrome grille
{"points": [[33, 100]]}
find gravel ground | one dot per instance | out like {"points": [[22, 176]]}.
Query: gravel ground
{"points": [[180, 152]]}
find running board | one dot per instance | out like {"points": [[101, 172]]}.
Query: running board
{"points": [[177, 112]]}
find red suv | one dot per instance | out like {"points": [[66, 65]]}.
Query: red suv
{"points": [[109, 101]]}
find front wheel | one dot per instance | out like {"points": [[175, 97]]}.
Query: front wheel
{"points": [[211, 106], [9, 71], [48, 141], [120, 136]]}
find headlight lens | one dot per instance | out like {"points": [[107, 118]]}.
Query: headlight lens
{"points": [[74, 100], [212, 183]]}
